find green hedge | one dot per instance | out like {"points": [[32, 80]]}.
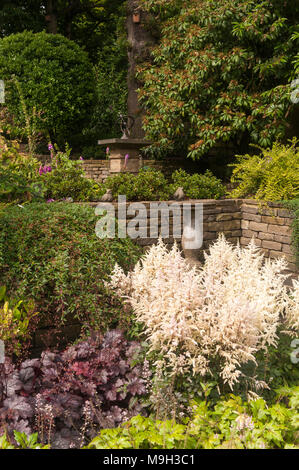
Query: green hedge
{"points": [[50, 253]]}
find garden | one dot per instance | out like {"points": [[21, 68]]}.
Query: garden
{"points": [[109, 344]]}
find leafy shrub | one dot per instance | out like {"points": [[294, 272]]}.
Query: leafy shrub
{"points": [[17, 173], [68, 396], [23, 178], [220, 73], [14, 323], [230, 424], [271, 176], [51, 254], [66, 178], [56, 79], [151, 185], [213, 321], [147, 185], [198, 186]]}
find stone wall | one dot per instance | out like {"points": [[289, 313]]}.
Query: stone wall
{"points": [[239, 220], [271, 228], [96, 169]]}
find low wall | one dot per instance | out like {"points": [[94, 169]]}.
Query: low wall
{"points": [[239, 220], [271, 228], [96, 169]]}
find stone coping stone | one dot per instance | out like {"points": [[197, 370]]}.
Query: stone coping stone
{"points": [[125, 142]]}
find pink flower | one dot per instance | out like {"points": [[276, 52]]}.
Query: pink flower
{"points": [[50, 147], [126, 160], [107, 150], [81, 158]]}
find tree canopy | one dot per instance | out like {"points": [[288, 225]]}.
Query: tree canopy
{"points": [[221, 73]]}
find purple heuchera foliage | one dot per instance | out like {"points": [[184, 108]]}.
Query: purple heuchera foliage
{"points": [[97, 372]]}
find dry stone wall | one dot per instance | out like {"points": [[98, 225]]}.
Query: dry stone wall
{"points": [[239, 220]]}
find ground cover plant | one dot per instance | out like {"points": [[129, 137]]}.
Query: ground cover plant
{"points": [[68, 397], [229, 424], [50, 253]]}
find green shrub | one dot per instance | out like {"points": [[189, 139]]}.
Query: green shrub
{"points": [[56, 80], [17, 173], [147, 185], [229, 424], [67, 179], [151, 185], [24, 178], [197, 186], [15, 318], [50, 253], [271, 176]]}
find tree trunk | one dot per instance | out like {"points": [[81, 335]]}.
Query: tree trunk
{"points": [[139, 40], [51, 17]]}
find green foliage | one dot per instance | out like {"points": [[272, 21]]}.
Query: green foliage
{"points": [[17, 173], [23, 178], [22, 441], [147, 185], [14, 322], [51, 254], [67, 179], [151, 185], [18, 15], [229, 424], [294, 207], [56, 79], [197, 186], [220, 73], [273, 175]]}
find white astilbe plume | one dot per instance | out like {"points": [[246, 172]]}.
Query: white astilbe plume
{"points": [[221, 314]]}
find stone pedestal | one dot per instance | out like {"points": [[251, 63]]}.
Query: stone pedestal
{"points": [[119, 148]]}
